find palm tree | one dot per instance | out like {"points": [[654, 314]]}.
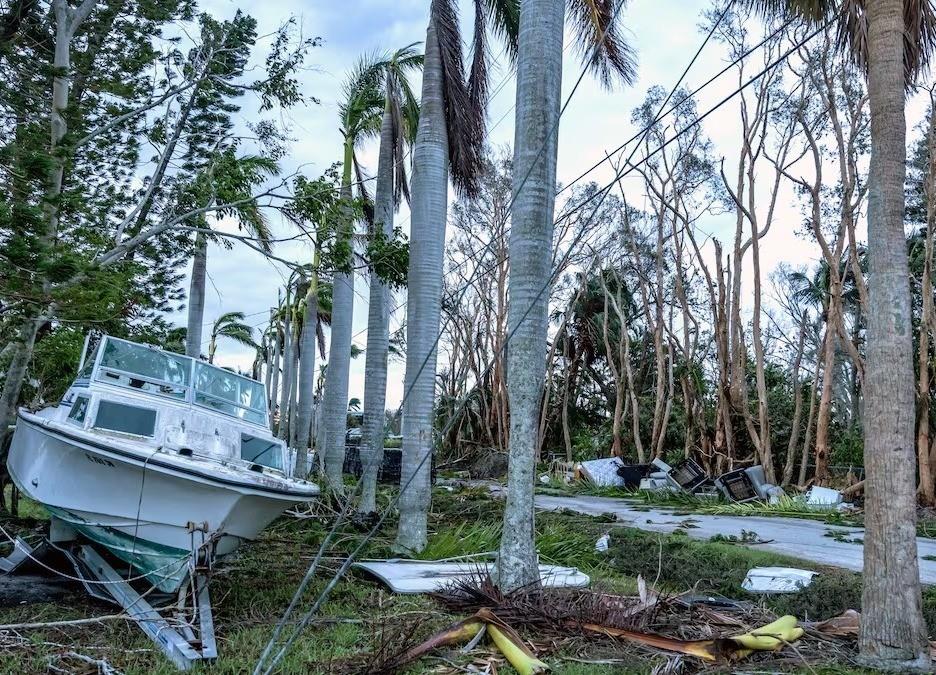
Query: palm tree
{"points": [[450, 136], [397, 131], [893, 41], [539, 88], [252, 220], [230, 325], [360, 113]]}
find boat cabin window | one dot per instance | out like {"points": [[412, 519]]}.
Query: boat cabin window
{"points": [[79, 409], [229, 393], [144, 368], [261, 451], [85, 373], [128, 419]]}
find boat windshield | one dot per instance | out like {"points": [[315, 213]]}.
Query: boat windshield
{"points": [[230, 393], [146, 368]]}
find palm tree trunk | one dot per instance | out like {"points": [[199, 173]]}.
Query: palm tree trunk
{"points": [[272, 392], [285, 393], [196, 305], [306, 386], [539, 87], [892, 633], [423, 305], [335, 397], [378, 329]]}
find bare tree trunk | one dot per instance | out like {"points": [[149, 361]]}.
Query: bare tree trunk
{"points": [[335, 396], [635, 402], [539, 85], [15, 375], [927, 490], [306, 374], [277, 357], [618, 380], [825, 399], [797, 405], [811, 416], [566, 434], [892, 633]]}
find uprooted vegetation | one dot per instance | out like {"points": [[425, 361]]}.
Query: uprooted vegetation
{"points": [[363, 627]]}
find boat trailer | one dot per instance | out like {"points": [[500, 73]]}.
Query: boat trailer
{"points": [[185, 642]]}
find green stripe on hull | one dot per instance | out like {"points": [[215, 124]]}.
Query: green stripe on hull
{"points": [[165, 567]]}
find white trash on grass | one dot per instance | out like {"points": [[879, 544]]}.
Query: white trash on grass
{"points": [[777, 579]]}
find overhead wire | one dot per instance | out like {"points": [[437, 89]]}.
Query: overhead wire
{"points": [[297, 629], [603, 194]]}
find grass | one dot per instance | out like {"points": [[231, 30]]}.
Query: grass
{"points": [[252, 592], [28, 509]]}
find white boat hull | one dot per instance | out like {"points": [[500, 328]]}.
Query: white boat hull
{"points": [[148, 510]]}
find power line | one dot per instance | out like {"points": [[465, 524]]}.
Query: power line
{"points": [[346, 564], [689, 96], [421, 464]]}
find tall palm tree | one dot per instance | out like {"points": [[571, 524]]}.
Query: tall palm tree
{"points": [[892, 40], [360, 113], [397, 132], [450, 137], [539, 88], [253, 222], [230, 325]]}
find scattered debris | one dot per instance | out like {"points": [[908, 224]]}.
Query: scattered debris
{"points": [[777, 579], [771, 637], [601, 546], [687, 475], [505, 638], [602, 472], [844, 625], [823, 496], [633, 474], [426, 576]]}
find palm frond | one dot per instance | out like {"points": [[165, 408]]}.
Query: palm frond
{"points": [[228, 317], [851, 20], [599, 42], [239, 333], [504, 22], [478, 75], [362, 97], [464, 122], [367, 202]]}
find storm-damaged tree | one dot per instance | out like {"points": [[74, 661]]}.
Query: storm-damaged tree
{"points": [[893, 41], [449, 138], [397, 134], [360, 113], [78, 234], [230, 326], [539, 86]]}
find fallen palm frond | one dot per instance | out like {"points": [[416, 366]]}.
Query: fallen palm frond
{"points": [[771, 637], [549, 609], [505, 638]]}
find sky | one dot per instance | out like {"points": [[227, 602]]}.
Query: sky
{"points": [[664, 35]]}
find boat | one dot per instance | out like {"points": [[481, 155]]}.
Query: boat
{"points": [[164, 461]]}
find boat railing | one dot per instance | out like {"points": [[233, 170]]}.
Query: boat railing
{"points": [[194, 382]]}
